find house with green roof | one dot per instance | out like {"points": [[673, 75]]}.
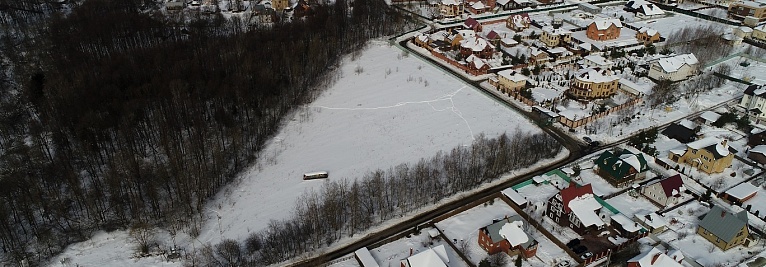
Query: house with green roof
{"points": [[724, 229], [621, 168]]}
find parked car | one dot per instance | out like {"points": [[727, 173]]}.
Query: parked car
{"points": [[586, 255], [595, 143], [573, 243], [587, 139], [579, 249], [563, 264]]}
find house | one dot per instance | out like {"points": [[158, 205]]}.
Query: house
{"points": [[625, 226], [560, 54], [709, 155], [518, 22], [621, 168], [740, 193], [505, 4], [507, 235], [757, 137], [493, 35], [593, 83], [477, 64], [674, 68], [514, 196], [521, 3], [758, 154], [576, 207], [724, 229], [537, 56], [431, 257], [685, 131], [656, 258], [477, 46], [480, 6], [365, 258], [509, 81], [473, 24], [754, 102], [508, 42], [759, 33], [745, 8], [175, 5], [421, 40], [597, 61], [552, 37], [456, 39], [451, 8], [664, 192], [651, 221], [590, 8], [604, 29], [709, 117], [643, 9], [648, 35]]}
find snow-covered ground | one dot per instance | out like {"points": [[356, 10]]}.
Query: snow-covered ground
{"points": [[392, 253], [385, 108], [666, 26], [755, 72], [107, 249]]}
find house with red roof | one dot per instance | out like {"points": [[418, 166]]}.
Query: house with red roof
{"points": [[576, 207], [472, 24], [664, 192]]}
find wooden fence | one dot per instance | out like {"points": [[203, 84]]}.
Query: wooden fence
{"points": [[577, 123]]}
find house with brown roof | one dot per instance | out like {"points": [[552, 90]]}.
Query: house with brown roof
{"points": [[709, 155], [473, 24], [604, 29], [508, 236], [576, 207], [664, 192], [647, 35], [724, 229]]}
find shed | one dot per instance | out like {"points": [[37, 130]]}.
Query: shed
{"points": [[590, 8], [517, 198], [365, 258], [652, 221], [741, 193]]}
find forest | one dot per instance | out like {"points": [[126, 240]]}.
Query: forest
{"points": [[115, 115]]}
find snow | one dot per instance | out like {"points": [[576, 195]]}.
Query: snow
{"points": [[742, 190], [391, 254], [512, 75], [584, 208], [627, 224], [595, 76], [514, 196], [598, 60], [710, 116], [632, 159], [655, 221], [514, 233], [406, 119], [674, 63], [648, 259], [604, 23], [688, 124], [431, 257], [107, 249], [631, 205], [366, 258]]}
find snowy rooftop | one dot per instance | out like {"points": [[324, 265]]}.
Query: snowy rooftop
{"points": [[595, 76], [648, 31], [514, 233], [742, 190], [655, 258], [450, 2], [674, 63], [710, 116], [604, 23], [688, 124], [760, 149], [708, 143], [432, 257], [584, 208], [514, 196], [365, 257], [550, 30], [626, 223], [476, 44], [598, 60], [651, 219], [477, 61], [512, 75]]}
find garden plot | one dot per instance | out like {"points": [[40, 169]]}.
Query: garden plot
{"points": [[629, 205], [464, 228], [393, 253], [600, 186], [682, 235]]}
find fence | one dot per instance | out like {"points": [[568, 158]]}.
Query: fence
{"points": [[619, 247], [577, 123], [458, 65]]}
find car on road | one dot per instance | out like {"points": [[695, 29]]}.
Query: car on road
{"points": [[595, 143], [586, 255]]}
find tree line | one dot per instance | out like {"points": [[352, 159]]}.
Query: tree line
{"points": [[346, 207], [113, 116]]}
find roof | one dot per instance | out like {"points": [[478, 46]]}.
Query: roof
{"points": [[520, 19], [514, 196], [553, 31], [476, 44], [723, 224], [710, 116], [477, 61], [672, 185], [470, 22], [450, 2], [644, 7], [742, 191], [604, 23], [688, 124], [648, 31], [503, 2], [511, 229], [584, 208], [626, 223], [493, 35], [756, 90], [654, 258], [713, 145], [573, 191], [679, 132], [595, 75], [651, 219], [598, 60], [760, 149], [620, 165], [365, 258], [512, 75], [478, 5], [432, 257], [674, 63]]}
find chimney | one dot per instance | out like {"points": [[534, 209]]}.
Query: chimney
{"points": [[723, 214], [723, 143], [655, 257], [506, 219], [410, 251]]}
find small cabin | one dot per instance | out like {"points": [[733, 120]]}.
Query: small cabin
{"points": [[314, 175]]}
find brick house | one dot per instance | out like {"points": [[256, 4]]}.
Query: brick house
{"points": [[664, 192], [647, 35], [709, 155], [509, 81], [518, 22], [604, 29], [576, 207], [477, 64], [507, 235], [621, 168], [724, 229], [477, 46]]}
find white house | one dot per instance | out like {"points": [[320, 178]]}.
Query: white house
{"points": [[754, 102], [674, 68], [664, 192], [431, 257]]}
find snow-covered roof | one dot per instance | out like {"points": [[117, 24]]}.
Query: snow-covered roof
{"points": [[534, 51], [508, 41], [712, 144], [626, 223], [553, 31], [476, 44], [586, 46], [632, 159], [365, 258], [760, 149], [595, 76], [559, 50], [676, 254], [655, 258], [674, 63], [584, 208], [651, 219], [503, 2], [477, 61], [648, 31], [450, 2], [514, 233], [433, 232], [604, 23], [467, 33], [710, 116], [598, 60], [745, 29], [688, 124], [742, 190], [512, 75], [514, 196], [478, 5], [651, 10], [540, 178], [432, 257]]}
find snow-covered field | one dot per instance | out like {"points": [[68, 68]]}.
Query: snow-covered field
{"points": [[753, 72], [386, 108]]}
